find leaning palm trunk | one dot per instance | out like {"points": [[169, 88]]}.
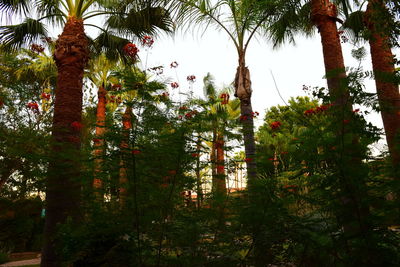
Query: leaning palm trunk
{"points": [[350, 177], [99, 143], [243, 91], [388, 91], [63, 183], [123, 175]]}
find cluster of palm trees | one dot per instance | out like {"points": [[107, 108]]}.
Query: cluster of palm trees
{"points": [[240, 20]]}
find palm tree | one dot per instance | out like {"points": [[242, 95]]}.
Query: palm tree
{"points": [[220, 110], [240, 20], [71, 55], [100, 74], [383, 66]]}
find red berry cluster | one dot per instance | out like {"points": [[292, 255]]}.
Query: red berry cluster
{"points": [[147, 41], [275, 125], [33, 106], [224, 98], [174, 85], [131, 50]]}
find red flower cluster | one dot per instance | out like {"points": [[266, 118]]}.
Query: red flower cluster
{"points": [[174, 64], [248, 159], [225, 98], [284, 152], [356, 110], [243, 118], [76, 126], [174, 85], [136, 152], [37, 48], [45, 96], [255, 114], [195, 155], [316, 110], [147, 41], [131, 50], [33, 106], [96, 140], [191, 78], [220, 167], [190, 114], [183, 108], [275, 125]]}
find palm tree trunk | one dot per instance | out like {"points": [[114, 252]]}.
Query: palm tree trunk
{"points": [[220, 182], [63, 182], [199, 190], [353, 213], [243, 92], [213, 159], [388, 91], [123, 175], [324, 16], [99, 143]]}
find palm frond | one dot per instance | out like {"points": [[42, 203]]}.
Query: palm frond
{"points": [[354, 25], [142, 22], [111, 45], [51, 10], [14, 36], [293, 19], [11, 7]]}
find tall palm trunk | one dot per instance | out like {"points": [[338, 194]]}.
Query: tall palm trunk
{"points": [[63, 182], [99, 142], [388, 92], [213, 159], [243, 91], [324, 16], [123, 175], [220, 179], [353, 213]]}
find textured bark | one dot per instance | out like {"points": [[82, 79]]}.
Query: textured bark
{"points": [[388, 92], [220, 179], [99, 142], [63, 183], [123, 175], [324, 16], [243, 91], [213, 159], [353, 213]]}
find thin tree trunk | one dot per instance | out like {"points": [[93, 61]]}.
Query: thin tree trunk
{"points": [[199, 191], [99, 143], [123, 175], [213, 159], [63, 182], [243, 91], [388, 91], [220, 179]]}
